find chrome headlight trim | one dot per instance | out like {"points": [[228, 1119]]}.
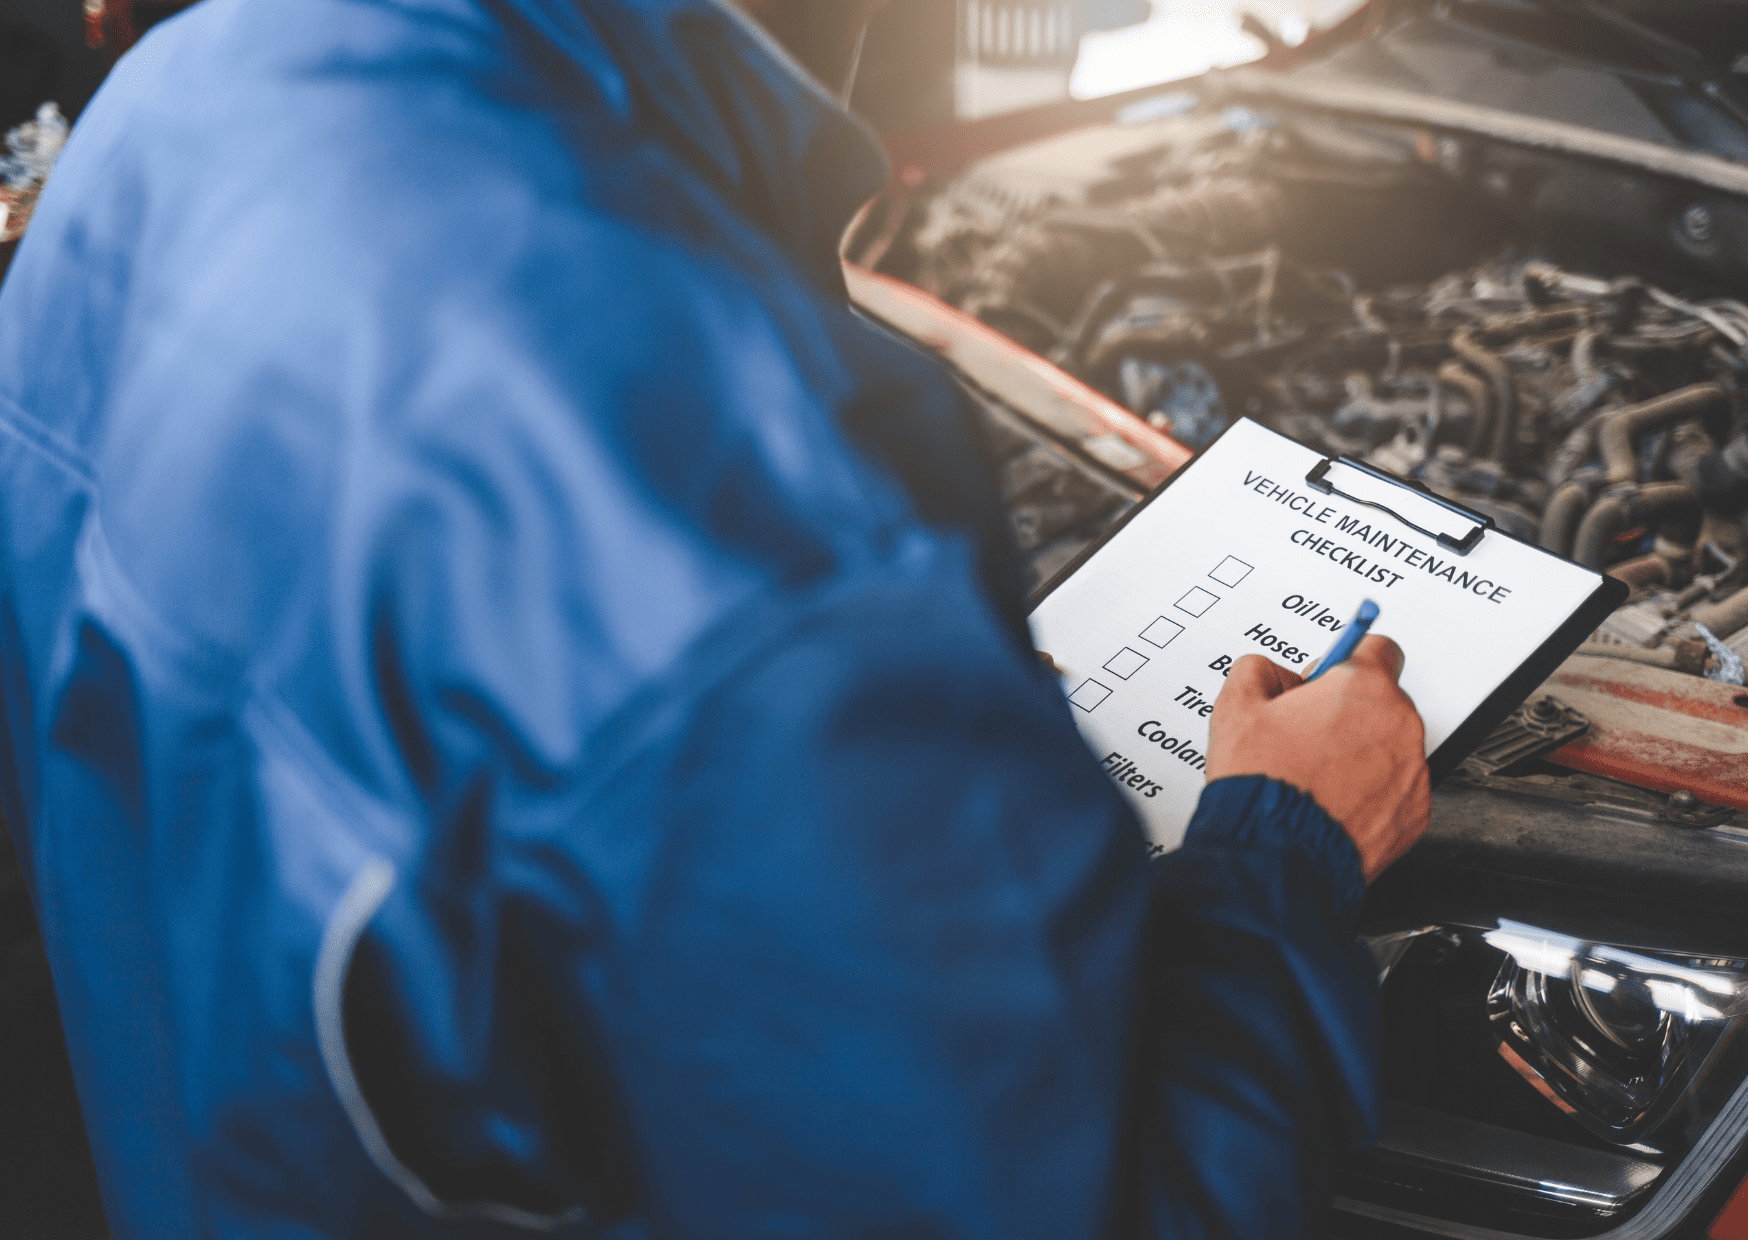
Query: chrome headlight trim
{"points": [[1668, 1206], [1521, 1163]]}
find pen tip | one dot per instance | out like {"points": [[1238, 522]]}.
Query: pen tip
{"points": [[1368, 611]]}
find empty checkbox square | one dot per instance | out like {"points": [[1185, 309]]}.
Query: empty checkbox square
{"points": [[1160, 632], [1232, 570], [1126, 663], [1090, 694], [1197, 601]]}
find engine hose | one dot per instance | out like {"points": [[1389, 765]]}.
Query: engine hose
{"points": [[1647, 572], [1573, 452], [1108, 298], [1566, 508], [1584, 355], [1618, 431], [1682, 656], [1689, 446], [1629, 300], [1504, 327], [1621, 510], [1591, 387], [1498, 375], [1726, 617], [1453, 374]]}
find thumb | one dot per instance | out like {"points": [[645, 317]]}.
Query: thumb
{"points": [[1254, 680], [1380, 654]]}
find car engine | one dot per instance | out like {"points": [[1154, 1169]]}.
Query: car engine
{"points": [[1565, 979], [1353, 292]]}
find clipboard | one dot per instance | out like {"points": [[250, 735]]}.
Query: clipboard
{"points": [[1294, 540]]}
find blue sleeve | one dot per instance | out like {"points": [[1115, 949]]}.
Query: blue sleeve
{"points": [[1259, 1053], [853, 936], [873, 964]]}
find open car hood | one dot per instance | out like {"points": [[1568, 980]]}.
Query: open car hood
{"points": [[1457, 240]]}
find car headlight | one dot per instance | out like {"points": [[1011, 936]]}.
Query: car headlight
{"points": [[1614, 1037], [1542, 1084]]}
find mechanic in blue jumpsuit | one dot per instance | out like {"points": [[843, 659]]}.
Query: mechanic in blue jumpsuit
{"points": [[519, 716]]}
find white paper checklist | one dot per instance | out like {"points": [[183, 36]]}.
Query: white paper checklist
{"points": [[1239, 555]]}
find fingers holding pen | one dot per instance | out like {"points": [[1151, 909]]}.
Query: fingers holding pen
{"points": [[1381, 653], [1374, 672], [1351, 738], [1256, 678]]}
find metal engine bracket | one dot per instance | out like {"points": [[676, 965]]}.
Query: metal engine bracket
{"points": [[1532, 731]]}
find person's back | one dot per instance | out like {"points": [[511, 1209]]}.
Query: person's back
{"points": [[518, 703]]}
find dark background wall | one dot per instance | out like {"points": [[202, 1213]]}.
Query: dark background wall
{"points": [[42, 48]]}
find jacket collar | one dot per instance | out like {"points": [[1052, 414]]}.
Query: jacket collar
{"points": [[734, 102]]}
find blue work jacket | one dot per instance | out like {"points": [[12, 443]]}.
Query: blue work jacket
{"points": [[518, 710]]}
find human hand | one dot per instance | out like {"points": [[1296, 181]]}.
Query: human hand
{"points": [[1351, 739]]}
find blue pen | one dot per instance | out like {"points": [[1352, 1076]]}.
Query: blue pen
{"points": [[1349, 638]]}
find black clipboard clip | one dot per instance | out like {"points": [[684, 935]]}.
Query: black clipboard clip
{"points": [[1461, 536]]}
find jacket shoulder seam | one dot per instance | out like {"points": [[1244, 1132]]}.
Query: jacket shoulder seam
{"points": [[45, 442]]}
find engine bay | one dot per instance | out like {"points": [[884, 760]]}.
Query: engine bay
{"points": [[1409, 297], [1238, 264], [1366, 290]]}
